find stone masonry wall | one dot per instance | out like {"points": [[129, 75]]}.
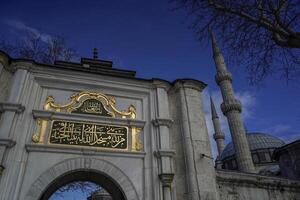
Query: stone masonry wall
{"points": [[246, 186], [5, 79]]}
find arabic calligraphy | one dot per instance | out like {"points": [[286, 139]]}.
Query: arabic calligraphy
{"points": [[92, 106], [88, 134]]}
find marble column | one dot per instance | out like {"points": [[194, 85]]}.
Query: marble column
{"points": [[164, 153], [200, 174], [10, 110], [12, 105]]}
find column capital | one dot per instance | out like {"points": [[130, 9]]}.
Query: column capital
{"points": [[164, 153], [5, 61], [166, 179], [160, 83], [15, 107], [1, 169], [189, 83], [232, 104], [7, 143], [162, 122]]}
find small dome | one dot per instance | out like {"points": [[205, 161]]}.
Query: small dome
{"points": [[256, 141]]}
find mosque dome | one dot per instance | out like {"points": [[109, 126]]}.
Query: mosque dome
{"points": [[101, 194], [256, 141], [261, 146]]}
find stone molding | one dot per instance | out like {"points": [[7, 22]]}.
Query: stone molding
{"points": [[255, 181], [162, 122], [164, 153], [166, 179], [22, 64], [219, 136], [221, 76], [232, 104], [52, 148], [159, 83], [7, 143], [189, 83], [82, 163], [51, 115], [5, 61], [15, 107], [2, 168]]}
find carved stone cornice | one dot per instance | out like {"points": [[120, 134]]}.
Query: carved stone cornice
{"points": [[221, 76], [1, 169], [15, 107], [241, 179], [189, 83], [22, 64], [166, 179], [164, 153], [162, 122], [5, 61], [159, 83], [231, 105], [43, 114], [52, 115], [7, 143], [219, 136]]}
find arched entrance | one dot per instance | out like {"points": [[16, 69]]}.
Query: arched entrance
{"points": [[85, 175], [100, 171]]}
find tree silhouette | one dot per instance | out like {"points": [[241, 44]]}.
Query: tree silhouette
{"points": [[43, 50], [262, 35]]}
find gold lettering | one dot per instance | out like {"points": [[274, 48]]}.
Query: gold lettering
{"points": [[86, 134]]}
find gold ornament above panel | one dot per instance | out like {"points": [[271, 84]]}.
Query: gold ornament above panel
{"points": [[93, 103]]}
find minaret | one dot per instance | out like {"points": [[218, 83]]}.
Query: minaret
{"points": [[232, 109], [219, 135]]}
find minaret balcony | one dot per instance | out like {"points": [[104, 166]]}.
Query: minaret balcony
{"points": [[231, 105], [218, 136], [221, 76]]}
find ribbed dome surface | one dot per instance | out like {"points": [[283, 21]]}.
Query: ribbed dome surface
{"points": [[256, 141]]}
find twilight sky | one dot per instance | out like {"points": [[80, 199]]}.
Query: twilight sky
{"points": [[147, 36]]}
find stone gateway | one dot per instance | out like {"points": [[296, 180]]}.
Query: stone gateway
{"points": [[140, 139]]}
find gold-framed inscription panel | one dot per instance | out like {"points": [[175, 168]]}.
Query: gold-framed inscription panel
{"points": [[77, 133]]}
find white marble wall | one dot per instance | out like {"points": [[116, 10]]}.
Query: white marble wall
{"points": [[5, 81], [194, 174], [245, 186], [175, 162], [28, 162]]}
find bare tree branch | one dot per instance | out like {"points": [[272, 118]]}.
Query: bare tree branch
{"points": [[254, 32], [34, 47]]}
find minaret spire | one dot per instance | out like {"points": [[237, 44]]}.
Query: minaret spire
{"points": [[217, 55], [232, 109], [218, 135]]}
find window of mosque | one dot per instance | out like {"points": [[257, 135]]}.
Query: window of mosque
{"points": [[268, 157], [262, 157], [234, 164], [225, 165], [230, 165], [255, 158]]}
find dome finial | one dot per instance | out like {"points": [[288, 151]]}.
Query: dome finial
{"points": [[95, 53]]}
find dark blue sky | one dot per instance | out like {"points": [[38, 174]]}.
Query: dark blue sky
{"points": [[147, 36]]}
